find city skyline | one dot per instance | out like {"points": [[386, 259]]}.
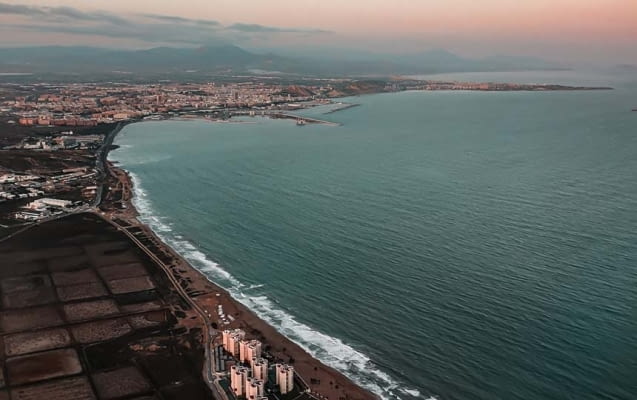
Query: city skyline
{"points": [[589, 31]]}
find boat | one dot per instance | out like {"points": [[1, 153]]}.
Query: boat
{"points": [[300, 122]]}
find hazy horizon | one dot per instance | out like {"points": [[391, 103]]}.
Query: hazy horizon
{"points": [[589, 32]]}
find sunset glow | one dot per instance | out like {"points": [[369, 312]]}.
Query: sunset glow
{"points": [[578, 30]]}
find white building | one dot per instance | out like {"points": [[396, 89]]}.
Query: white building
{"points": [[285, 378], [260, 369], [7, 178], [53, 203], [249, 350], [31, 216], [239, 380]]}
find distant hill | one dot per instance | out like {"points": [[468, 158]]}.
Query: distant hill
{"points": [[229, 58], [80, 59]]}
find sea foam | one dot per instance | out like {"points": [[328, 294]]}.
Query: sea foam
{"points": [[330, 350]]}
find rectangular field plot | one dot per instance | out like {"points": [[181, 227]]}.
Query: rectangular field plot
{"points": [[120, 383], [82, 291], [29, 298], [66, 389], [69, 263], [92, 332], [40, 366], [24, 283], [120, 271], [77, 277], [31, 342], [39, 317], [89, 310], [130, 285], [20, 269]]}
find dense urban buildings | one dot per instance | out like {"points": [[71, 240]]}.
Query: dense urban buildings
{"points": [[86, 105], [249, 376]]}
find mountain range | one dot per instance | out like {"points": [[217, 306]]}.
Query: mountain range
{"points": [[232, 59]]}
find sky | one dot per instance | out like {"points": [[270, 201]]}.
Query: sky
{"points": [[580, 31]]}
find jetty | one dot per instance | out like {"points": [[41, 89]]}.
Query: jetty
{"points": [[343, 107], [306, 120]]}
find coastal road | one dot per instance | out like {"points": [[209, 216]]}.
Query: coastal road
{"points": [[101, 161], [209, 368], [208, 334]]}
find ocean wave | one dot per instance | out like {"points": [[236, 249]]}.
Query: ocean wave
{"points": [[186, 249], [150, 160], [255, 286], [328, 349]]}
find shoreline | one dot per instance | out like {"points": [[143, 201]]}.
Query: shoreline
{"points": [[321, 379]]}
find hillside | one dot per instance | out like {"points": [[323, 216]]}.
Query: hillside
{"points": [[232, 59]]}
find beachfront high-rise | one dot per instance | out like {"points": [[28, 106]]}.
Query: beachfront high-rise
{"points": [[249, 350], [260, 369], [231, 340], [255, 389], [285, 378], [239, 377]]}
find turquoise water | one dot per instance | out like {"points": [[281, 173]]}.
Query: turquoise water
{"points": [[461, 245]]}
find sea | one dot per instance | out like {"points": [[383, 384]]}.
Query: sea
{"points": [[448, 245]]}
